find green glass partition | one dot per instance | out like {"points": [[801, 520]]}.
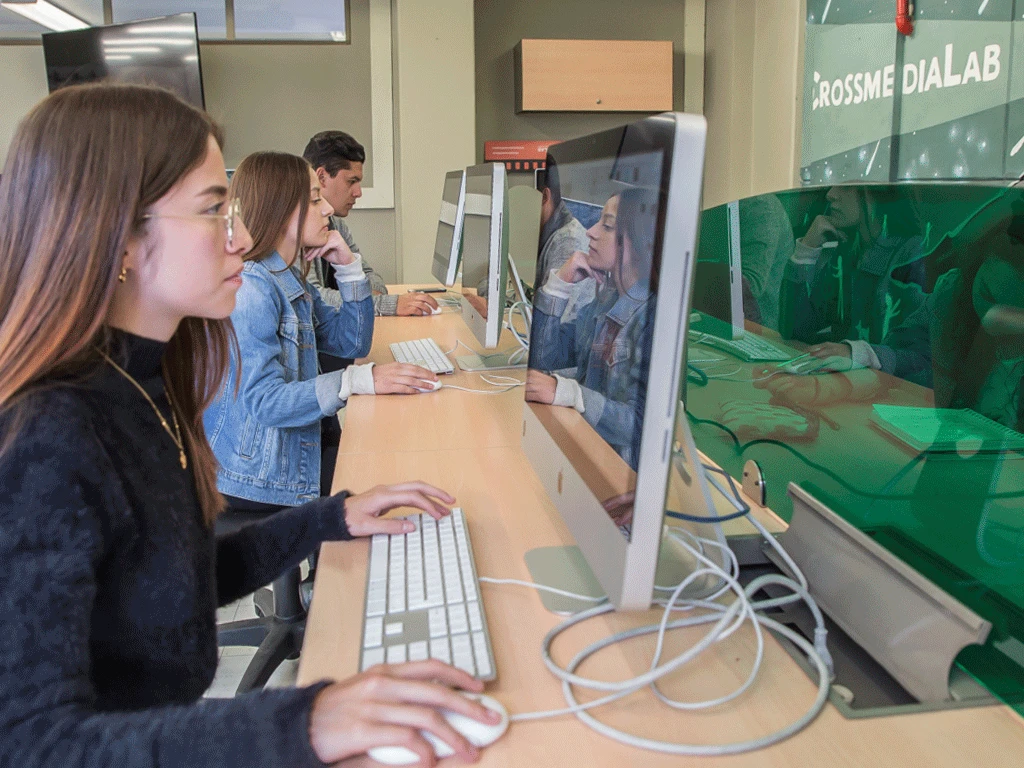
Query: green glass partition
{"points": [[880, 369]]}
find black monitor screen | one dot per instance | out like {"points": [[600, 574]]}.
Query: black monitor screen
{"points": [[162, 52]]}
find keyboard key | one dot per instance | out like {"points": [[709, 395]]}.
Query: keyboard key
{"points": [[462, 653], [483, 661], [418, 651], [372, 656], [396, 602], [438, 623], [439, 649], [457, 619], [394, 628], [396, 654], [476, 622], [373, 632]]}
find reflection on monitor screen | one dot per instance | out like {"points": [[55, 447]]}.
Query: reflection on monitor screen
{"points": [[603, 372], [593, 319]]}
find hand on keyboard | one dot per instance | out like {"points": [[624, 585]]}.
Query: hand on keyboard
{"points": [[416, 304], [401, 379], [389, 706], [363, 510]]}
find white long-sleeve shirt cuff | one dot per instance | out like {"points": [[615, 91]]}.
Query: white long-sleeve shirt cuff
{"points": [[349, 273], [356, 380], [862, 355], [557, 287], [568, 393], [804, 254]]}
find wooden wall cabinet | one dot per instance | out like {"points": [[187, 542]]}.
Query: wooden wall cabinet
{"points": [[593, 75]]}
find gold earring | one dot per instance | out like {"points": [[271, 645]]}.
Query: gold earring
{"points": [[123, 276]]}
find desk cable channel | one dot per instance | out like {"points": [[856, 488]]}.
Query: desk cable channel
{"points": [[703, 609]]}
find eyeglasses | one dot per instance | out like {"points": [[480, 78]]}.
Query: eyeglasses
{"points": [[231, 219]]}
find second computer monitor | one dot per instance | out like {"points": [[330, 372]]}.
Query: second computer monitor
{"points": [[485, 252], [609, 319], [448, 246]]}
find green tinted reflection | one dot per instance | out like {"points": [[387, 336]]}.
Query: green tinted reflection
{"points": [[891, 384]]}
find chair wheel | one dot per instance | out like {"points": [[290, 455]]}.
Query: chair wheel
{"points": [[306, 594]]}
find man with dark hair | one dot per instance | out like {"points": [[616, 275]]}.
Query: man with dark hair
{"points": [[561, 234], [338, 159]]}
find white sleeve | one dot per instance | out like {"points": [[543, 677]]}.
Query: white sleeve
{"points": [[349, 273], [568, 393], [862, 355], [557, 287], [356, 380]]}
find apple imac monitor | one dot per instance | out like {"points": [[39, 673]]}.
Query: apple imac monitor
{"points": [[485, 265], [606, 346], [448, 245], [162, 52], [718, 277]]}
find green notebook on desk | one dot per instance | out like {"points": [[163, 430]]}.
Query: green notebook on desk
{"points": [[945, 429]]}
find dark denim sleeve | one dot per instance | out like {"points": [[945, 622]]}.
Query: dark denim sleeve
{"points": [[257, 554], [808, 301], [55, 528], [346, 330], [552, 342]]}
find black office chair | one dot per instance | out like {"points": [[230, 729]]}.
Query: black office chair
{"points": [[278, 631], [280, 626]]}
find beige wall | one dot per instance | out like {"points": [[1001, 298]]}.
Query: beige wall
{"points": [[752, 96], [500, 24], [434, 118], [22, 84]]}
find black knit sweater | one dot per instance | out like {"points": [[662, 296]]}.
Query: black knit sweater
{"points": [[109, 584]]}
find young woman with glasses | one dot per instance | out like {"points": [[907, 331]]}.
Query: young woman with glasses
{"points": [[114, 298]]}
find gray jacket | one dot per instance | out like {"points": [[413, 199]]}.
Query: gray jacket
{"points": [[383, 304], [559, 238]]}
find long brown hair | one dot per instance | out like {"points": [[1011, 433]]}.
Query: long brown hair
{"points": [[83, 168], [269, 186]]}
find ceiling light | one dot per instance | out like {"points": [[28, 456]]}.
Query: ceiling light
{"points": [[45, 14]]}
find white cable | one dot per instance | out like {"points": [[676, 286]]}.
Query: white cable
{"points": [[726, 619]]}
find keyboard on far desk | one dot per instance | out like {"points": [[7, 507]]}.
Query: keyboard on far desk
{"points": [[423, 352], [749, 347], [423, 599]]}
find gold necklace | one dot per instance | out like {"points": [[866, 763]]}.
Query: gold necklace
{"points": [[178, 442]]}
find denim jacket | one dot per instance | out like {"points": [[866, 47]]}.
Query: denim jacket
{"points": [[267, 438], [606, 348]]}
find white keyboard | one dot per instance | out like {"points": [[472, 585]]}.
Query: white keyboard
{"points": [[423, 600], [749, 347], [422, 352]]}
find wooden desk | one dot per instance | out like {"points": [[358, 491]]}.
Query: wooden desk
{"points": [[444, 420], [509, 513]]}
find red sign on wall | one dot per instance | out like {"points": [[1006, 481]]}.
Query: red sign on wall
{"points": [[517, 155]]}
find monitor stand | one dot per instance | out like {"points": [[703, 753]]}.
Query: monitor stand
{"points": [[493, 361], [565, 568]]}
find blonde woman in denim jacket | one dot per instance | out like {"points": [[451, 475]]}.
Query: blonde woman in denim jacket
{"points": [[267, 435]]}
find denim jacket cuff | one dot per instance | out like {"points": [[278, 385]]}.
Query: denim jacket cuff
{"points": [[552, 306], [328, 385], [593, 406]]}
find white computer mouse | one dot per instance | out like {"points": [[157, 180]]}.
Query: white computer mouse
{"points": [[434, 386], [478, 734], [435, 311]]}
